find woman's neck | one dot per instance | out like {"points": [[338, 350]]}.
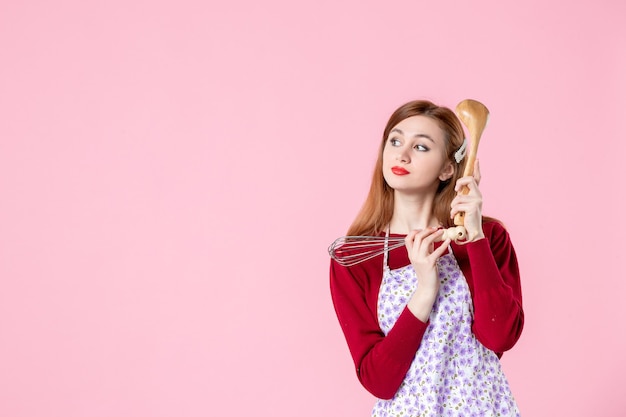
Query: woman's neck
{"points": [[412, 213]]}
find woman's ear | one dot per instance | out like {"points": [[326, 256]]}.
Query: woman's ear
{"points": [[447, 171]]}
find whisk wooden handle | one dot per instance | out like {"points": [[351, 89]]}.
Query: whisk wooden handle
{"points": [[474, 116], [454, 234]]}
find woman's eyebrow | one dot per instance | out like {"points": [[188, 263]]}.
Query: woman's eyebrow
{"points": [[418, 135]]}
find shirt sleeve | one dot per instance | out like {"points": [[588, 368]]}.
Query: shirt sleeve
{"points": [[381, 361], [497, 293]]}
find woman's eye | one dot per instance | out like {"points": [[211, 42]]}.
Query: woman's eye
{"points": [[420, 148], [394, 142]]}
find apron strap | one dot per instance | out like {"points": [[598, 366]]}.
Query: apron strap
{"points": [[386, 251]]}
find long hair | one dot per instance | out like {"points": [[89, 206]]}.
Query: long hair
{"points": [[377, 210]]}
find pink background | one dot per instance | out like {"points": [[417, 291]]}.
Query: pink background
{"points": [[172, 172]]}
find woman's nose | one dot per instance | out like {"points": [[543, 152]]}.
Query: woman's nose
{"points": [[403, 155]]}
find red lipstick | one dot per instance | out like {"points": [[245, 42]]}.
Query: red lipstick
{"points": [[399, 171]]}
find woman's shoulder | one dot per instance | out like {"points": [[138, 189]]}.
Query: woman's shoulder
{"points": [[365, 265], [494, 228]]}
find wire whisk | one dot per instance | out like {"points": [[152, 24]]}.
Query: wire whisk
{"points": [[352, 250]]}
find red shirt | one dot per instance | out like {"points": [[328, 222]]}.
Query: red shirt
{"points": [[491, 270]]}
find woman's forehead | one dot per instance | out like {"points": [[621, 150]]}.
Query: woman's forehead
{"points": [[418, 126]]}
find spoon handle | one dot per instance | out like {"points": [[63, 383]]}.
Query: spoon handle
{"points": [[474, 116]]}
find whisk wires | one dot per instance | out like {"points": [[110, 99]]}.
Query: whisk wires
{"points": [[351, 250]]}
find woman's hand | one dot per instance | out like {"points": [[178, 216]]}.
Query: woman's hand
{"points": [[471, 204], [423, 257]]}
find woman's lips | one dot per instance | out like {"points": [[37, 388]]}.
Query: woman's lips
{"points": [[399, 171]]}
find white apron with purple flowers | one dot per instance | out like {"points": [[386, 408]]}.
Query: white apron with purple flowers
{"points": [[452, 374]]}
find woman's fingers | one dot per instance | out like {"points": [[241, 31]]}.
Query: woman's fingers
{"points": [[441, 249], [466, 203], [469, 182], [470, 202], [420, 244], [409, 240], [473, 197]]}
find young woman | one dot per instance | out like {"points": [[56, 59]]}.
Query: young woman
{"points": [[427, 323]]}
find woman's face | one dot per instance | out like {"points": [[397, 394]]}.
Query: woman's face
{"points": [[414, 158]]}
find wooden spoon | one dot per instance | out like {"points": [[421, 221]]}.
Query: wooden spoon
{"points": [[474, 116]]}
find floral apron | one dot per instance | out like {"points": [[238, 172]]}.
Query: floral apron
{"points": [[452, 374]]}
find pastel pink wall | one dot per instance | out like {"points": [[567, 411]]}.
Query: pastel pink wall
{"points": [[171, 174]]}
